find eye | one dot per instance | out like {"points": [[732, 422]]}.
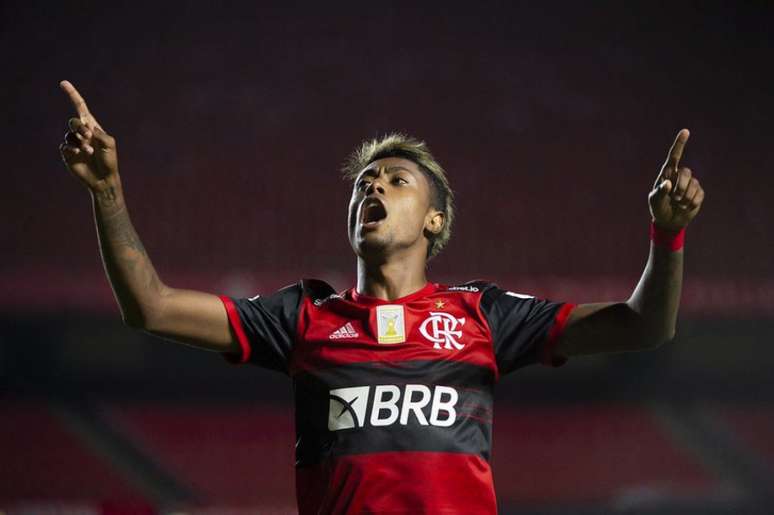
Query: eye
{"points": [[361, 184], [399, 180]]}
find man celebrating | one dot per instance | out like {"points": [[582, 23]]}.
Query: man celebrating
{"points": [[393, 378]]}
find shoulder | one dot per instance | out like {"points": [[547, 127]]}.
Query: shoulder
{"points": [[295, 293], [489, 298], [476, 288], [316, 290], [477, 294]]}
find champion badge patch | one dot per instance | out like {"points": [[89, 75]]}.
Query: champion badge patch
{"points": [[390, 323]]}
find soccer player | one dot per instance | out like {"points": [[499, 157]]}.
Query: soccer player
{"points": [[393, 377]]}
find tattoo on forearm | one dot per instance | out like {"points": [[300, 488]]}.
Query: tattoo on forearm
{"points": [[129, 268], [122, 233]]}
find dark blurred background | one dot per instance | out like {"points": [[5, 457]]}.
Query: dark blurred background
{"points": [[232, 120]]}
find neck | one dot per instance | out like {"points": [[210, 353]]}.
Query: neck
{"points": [[393, 277]]}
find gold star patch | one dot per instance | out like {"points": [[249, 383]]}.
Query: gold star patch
{"points": [[439, 304]]}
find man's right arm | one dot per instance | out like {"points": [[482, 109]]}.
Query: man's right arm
{"points": [[190, 317], [187, 316]]}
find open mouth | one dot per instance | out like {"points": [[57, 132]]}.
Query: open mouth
{"points": [[372, 212]]}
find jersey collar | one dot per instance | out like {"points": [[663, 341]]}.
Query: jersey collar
{"points": [[360, 298]]}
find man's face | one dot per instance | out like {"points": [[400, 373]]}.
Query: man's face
{"points": [[390, 208]]}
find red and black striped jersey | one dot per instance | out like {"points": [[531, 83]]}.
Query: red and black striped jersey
{"points": [[393, 399]]}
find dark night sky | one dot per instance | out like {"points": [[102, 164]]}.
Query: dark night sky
{"points": [[232, 121]]}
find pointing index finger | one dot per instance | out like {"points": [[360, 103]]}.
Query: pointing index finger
{"points": [[78, 102], [676, 152]]}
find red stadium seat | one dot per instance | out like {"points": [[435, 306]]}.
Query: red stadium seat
{"points": [[232, 455], [589, 453], [42, 460]]}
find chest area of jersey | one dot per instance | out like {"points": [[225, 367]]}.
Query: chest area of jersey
{"points": [[440, 327], [438, 322]]}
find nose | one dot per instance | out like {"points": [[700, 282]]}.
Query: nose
{"points": [[375, 185]]}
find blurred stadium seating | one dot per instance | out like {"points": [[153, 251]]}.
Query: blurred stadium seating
{"points": [[101, 418]]}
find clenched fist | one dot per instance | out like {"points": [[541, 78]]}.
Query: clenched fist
{"points": [[676, 196], [88, 151]]}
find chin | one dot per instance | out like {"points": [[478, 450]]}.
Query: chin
{"points": [[371, 248]]}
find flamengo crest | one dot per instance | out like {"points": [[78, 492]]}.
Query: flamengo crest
{"points": [[441, 328]]}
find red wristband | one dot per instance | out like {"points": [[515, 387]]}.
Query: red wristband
{"points": [[670, 239]]}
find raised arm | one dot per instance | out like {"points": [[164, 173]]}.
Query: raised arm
{"points": [[648, 318], [186, 316]]}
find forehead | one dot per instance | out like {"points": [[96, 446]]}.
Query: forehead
{"points": [[390, 165]]}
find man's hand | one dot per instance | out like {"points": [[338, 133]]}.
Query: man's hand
{"points": [[676, 196], [88, 151]]}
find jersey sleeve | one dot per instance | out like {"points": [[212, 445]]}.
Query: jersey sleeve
{"points": [[524, 328], [265, 327]]}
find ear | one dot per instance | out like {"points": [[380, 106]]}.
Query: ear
{"points": [[435, 221]]}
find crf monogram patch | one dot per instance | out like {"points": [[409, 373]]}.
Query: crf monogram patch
{"points": [[442, 328]]}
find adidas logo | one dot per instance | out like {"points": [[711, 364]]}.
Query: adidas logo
{"points": [[345, 331]]}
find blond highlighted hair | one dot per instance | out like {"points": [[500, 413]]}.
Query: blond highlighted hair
{"points": [[400, 145]]}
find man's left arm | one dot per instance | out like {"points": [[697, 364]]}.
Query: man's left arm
{"points": [[648, 318]]}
